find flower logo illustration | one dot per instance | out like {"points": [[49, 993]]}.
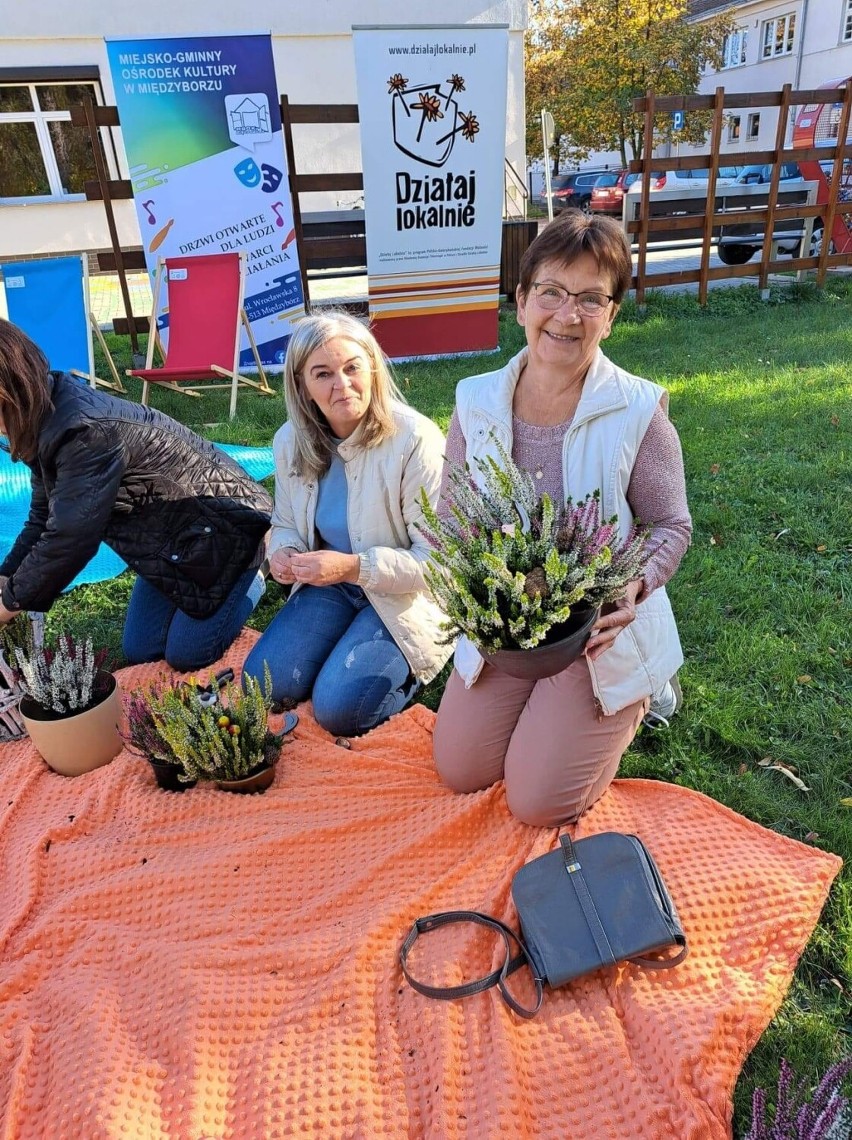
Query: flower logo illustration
{"points": [[426, 118]]}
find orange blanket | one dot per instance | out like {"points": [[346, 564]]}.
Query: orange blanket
{"points": [[207, 966]]}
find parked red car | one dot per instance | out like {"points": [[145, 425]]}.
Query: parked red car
{"points": [[609, 190]]}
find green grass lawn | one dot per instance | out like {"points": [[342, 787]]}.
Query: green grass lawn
{"points": [[761, 394]]}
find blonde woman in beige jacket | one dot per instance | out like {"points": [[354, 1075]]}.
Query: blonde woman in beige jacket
{"points": [[360, 632]]}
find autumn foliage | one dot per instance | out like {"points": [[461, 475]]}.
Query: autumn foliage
{"points": [[587, 60]]}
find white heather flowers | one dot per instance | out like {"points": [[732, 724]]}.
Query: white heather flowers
{"points": [[62, 678]]}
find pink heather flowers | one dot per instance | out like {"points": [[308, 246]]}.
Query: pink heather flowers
{"points": [[507, 566]]}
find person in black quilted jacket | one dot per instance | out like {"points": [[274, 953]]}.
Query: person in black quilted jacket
{"points": [[182, 514]]}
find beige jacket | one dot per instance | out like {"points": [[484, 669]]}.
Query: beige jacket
{"points": [[383, 512]]}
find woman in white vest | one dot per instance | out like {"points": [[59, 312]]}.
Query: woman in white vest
{"points": [[360, 632], [578, 423]]}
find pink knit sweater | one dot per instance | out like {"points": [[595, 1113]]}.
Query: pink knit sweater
{"points": [[656, 492]]}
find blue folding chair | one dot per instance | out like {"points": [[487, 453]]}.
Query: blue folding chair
{"points": [[49, 300]]}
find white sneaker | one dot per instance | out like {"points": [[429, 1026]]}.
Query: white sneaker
{"points": [[664, 704]]}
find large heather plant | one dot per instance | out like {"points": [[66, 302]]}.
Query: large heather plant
{"points": [[507, 566]]}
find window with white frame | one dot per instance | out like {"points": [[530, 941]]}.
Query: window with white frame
{"points": [[734, 48], [778, 35], [734, 128], [753, 126], [44, 156], [846, 33]]}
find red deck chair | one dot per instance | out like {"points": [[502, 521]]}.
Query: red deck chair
{"points": [[205, 307]]}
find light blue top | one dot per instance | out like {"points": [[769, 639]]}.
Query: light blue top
{"points": [[332, 503]]}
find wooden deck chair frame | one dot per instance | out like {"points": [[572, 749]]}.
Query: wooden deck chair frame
{"points": [[236, 377], [89, 376]]}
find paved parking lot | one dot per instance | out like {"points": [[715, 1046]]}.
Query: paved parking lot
{"points": [[107, 303]]}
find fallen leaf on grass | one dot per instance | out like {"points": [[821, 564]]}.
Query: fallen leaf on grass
{"points": [[805, 679], [714, 468], [785, 770], [811, 837], [835, 421], [822, 549], [847, 802]]}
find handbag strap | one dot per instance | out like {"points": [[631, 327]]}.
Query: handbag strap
{"points": [[590, 912], [495, 978]]}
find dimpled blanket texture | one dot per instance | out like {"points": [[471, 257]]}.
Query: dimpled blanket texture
{"points": [[204, 965]]}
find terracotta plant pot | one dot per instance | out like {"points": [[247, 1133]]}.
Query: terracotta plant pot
{"points": [[562, 646], [167, 776], [257, 781], [78, 742]]}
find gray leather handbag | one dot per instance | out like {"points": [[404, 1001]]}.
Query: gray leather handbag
{"points": [[582, 907]]}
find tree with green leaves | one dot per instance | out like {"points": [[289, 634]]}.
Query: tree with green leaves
{"points": [[587, 60]]}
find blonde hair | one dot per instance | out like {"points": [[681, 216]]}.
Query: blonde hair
{"points": [[313, 436]]}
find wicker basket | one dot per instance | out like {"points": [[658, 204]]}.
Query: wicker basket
{"points": [[11, 725]]}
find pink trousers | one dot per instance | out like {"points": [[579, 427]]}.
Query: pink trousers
{"points": [[545, 738]]}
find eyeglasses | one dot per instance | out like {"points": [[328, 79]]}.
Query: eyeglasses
{"points": [[554, 297]]}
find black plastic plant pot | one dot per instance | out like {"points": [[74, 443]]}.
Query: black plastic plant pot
{"points": [[562, 646], [168, 776]]}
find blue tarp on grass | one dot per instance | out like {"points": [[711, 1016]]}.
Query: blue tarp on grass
{"points": [[15, 505]]}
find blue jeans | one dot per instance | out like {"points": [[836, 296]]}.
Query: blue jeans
{"points": [[328, 643], [155, 628]]}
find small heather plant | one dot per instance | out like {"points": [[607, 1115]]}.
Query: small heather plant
{"points": [[826, 1116], [142, 733], [507, 566], [64, 677], [223, 740]]}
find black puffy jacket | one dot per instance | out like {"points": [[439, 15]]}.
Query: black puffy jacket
{"points": [[176, 508]]}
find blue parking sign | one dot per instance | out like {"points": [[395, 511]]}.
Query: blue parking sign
{"points": [[678, 120]]}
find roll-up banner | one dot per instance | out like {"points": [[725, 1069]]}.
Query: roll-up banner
{"points": [[202, 130], [432, 109]]}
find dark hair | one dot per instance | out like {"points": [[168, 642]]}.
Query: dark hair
{"points": [[24, 390], [572, 234]]}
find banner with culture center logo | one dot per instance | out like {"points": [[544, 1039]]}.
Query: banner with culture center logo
{"points": [[201, 126], [432, 109]]}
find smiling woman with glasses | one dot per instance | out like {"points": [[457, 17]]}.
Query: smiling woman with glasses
{"points": [[578, 423]]}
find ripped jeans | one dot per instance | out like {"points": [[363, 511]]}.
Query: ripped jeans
{"points": [[328, 643]]}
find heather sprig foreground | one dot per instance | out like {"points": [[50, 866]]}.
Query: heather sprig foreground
{"points": [[827, 1115], [507, 566]]}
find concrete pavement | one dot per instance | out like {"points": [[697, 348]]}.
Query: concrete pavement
{"points": [[106, 301]]}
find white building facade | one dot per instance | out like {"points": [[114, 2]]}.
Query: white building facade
{"points": [[52, 53], [807, 43]]}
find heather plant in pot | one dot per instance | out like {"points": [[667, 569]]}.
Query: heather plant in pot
{"points": [[143, 736], [225, 739], [523, 579], [70, 703]]}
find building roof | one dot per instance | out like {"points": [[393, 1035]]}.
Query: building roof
{"points": [[706, 7]]}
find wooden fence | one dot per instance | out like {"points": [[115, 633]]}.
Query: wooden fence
{"points": [[771, 215]]}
